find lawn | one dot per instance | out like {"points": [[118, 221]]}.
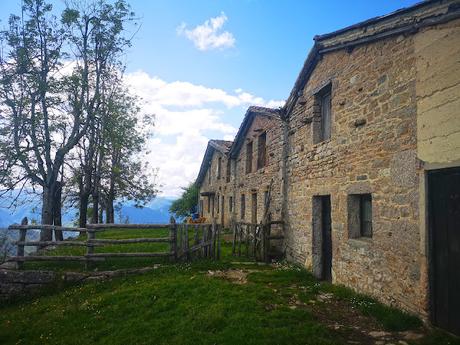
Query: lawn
{"points": [[208, 302]]}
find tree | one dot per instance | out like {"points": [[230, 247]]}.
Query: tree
{"points": [[186, 204], [47, 110]]}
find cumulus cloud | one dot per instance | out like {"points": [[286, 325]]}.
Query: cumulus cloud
{"points": [[208, 35], [184, 114]]}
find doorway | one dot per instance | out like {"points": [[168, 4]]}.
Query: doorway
{"points": [[322, 237], [444, 234]]}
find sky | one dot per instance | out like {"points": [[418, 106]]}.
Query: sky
{"points": [[198, 65]]}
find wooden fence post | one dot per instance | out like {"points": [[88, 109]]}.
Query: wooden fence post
{"points": [[173, 237], [187, 254], [240, 238], [90, 235], [213, 239], [218, 242], [254, 243], [197, 238], [22, 238], [234, 238]]}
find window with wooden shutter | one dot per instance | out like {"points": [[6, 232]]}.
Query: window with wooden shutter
{"points": [[249, 157], [326, 116], [262, 150]]}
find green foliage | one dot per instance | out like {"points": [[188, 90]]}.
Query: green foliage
{"points": [[184, 206]]}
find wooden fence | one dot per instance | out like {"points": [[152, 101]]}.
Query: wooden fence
{"points": [[253, 240], [205, 242]]}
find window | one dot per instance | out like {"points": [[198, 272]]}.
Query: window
{"points": [[360, 215], [230, 204], [254, 208], [262, 150], [326, 116], [219, 167], [218, 203], [243, 206], [229, 169], [249, 157], [322, 114], [209, 204]]}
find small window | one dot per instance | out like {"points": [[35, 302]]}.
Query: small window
{"points": [[229, 169], [218, 203], [249, 157], [360, 215], [326, 116], [219, 167], [230, 204], [322, 114], [209, 204], [262, 150], [243, 206]]}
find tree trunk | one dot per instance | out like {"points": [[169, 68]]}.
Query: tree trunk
{"points": [[95, 215], [110, 216], [47, 212], [83, 210], [57, 211]]}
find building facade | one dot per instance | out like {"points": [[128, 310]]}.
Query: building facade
{"points": [[366, 161]]}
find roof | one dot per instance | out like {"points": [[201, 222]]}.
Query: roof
{"points": [[251, 113], [406, 20], [222, 146]]}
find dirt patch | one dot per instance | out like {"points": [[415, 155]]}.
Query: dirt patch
{"points": [[341, 317], [235, 276]]}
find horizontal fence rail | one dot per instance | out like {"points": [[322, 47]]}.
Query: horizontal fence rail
{"points": [[186, 241]]}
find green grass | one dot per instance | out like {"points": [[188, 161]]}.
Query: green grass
{"points": [[183, 304]]}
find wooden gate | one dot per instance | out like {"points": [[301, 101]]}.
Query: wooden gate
{"points": [[444, 215]]}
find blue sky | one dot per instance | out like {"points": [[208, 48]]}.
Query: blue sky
{"points": [[199, 79]]}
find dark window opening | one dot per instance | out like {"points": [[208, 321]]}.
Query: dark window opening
{"points": [[243, 206], [230, 204], [360, 215], [219, 167], [249, 157], [229, 170], [326, 116], [262, 150]]}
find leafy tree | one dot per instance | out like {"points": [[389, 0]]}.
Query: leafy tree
{"points": [[184, 206], [51, 86]]}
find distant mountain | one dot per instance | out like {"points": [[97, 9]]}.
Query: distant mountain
{"points": [[156, 211]]}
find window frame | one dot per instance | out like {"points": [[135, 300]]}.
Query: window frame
{"points": [[262, 150], [249, 156], [243, 207], [360, 216]]}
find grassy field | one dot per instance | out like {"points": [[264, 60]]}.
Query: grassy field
{"points": [[206, 302]]}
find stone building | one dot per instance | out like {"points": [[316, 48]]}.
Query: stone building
{"points": [[214, 182], [256, 156], [366, 159], [373, 124]]}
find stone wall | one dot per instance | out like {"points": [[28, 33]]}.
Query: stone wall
{"points": [[15, 283], [372, 150]]}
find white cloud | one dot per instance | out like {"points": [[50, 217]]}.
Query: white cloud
{"points": [[184, 112], [208, 35]]}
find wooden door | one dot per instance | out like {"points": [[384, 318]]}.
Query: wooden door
{"points": [[444, 216], [326, 238]]}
